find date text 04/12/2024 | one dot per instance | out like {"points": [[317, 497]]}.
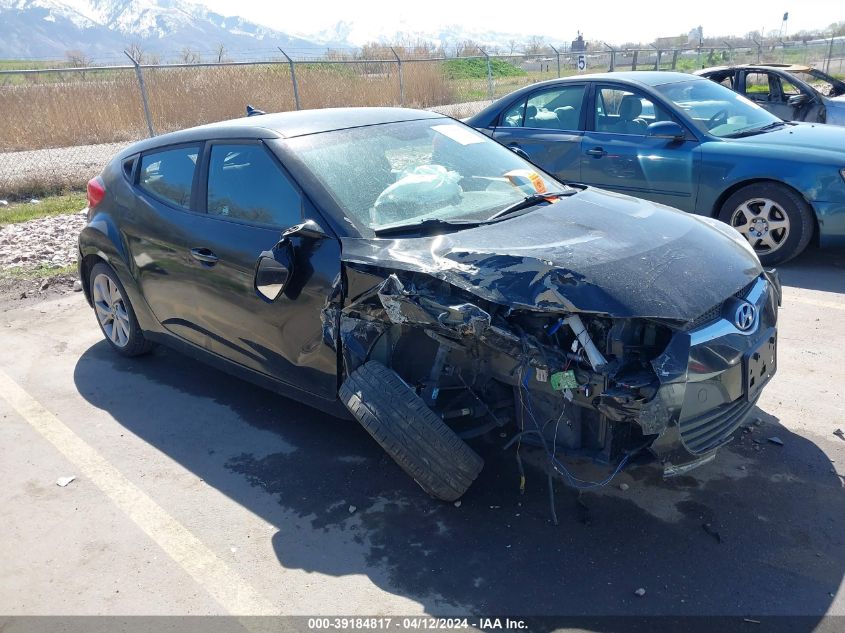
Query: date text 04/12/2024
{"points": [[416, 623]]}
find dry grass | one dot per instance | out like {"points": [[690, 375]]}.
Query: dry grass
{"points": [[107, 107]]}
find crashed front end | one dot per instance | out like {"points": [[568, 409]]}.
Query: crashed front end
{"points": [[575, 383]]}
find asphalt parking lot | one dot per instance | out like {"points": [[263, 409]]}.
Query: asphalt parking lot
{"points": [[199, 494]]}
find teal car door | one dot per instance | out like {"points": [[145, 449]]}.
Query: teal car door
{"points": [[618, 154], [546, 127]]}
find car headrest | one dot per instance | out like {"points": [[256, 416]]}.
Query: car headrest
{"points": [[630, 108]]}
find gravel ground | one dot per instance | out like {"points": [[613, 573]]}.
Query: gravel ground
{"points": [[43, 243], [57, 167]]}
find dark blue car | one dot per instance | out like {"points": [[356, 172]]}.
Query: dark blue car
{"points": [[686, 142]]}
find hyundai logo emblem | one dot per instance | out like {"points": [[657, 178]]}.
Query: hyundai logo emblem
{"points": [[744, 316]]}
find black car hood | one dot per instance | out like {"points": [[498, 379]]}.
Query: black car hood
{"points": [[595, 252]]}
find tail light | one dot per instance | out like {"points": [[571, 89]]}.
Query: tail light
{"points": [[96, 192]]}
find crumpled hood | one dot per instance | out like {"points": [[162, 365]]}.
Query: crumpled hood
{"points": [[596, 251]]}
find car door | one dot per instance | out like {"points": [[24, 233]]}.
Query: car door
{"points": [[546, 126], [157, 229], [618, 155], [248, 199]]}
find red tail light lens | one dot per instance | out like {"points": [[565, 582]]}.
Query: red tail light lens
{"points": [[96, 192]]}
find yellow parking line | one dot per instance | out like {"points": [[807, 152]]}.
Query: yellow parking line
{"points": [[228, 588], [814, 302]]}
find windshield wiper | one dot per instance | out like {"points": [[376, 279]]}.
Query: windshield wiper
{"points": [[425, 226], [530, 201], [756, 130]]}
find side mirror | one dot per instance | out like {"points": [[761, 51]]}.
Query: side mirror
{"points": [[666, 129], [309, 229], [796, 101], [273, 271]]}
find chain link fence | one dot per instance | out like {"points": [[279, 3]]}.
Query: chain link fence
{"points": [[59, 126]]}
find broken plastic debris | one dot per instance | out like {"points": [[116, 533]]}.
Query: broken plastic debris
{"points": [[623, 486], [776, 440], [64, 481], [839, 433], [352, 509], [4, 203], [35, 201], [640, 592]]}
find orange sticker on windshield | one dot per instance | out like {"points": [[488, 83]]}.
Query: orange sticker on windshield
{"points": [[522, 177]]}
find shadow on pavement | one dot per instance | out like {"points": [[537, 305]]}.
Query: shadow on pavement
{"points": [[816, 269], [758, 531]]}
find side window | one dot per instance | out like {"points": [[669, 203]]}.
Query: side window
{"points": [[788, 89], [513, 116], [245, 183], [556, 109], [169, 174], [727, 80], [757, 86], [624, 112]]}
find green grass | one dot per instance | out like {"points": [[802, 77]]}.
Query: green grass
{"points": [[54, 205], [477, 68], [38, 273]]}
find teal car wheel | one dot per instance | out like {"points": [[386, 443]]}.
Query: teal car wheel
{"points": [[775, 220]]}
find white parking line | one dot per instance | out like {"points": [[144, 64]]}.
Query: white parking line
{"points": [[227, 587]]}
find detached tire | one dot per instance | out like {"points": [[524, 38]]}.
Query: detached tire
{"points": [[776, 221], [411, 433]]}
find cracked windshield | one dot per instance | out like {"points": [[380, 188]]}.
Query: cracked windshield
{"points": [[405, 173]]}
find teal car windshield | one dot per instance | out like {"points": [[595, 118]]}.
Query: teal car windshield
{"points": [[717, 110], [401, 174]]}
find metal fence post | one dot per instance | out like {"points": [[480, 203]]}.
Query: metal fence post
{"points": [[674, 59], [557, 55], [612, 58], [730, 52], [829, 54], [656, 61], [140, 76], [489, 75], [634, 60], [401, 78], [293, 80]]}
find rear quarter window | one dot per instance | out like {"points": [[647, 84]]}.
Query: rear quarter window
{"points": [[169, 174]]}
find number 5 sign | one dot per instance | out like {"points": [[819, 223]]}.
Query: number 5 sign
{"points": [[582, 63]]}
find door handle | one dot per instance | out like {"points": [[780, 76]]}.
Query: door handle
{"points": [[598, 152], [204, 255], [516, 149]]}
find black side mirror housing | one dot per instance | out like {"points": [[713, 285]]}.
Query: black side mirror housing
{"points": [[273, 270], [666, 129], [309, 229]]}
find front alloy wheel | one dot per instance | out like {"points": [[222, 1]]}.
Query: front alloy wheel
{"points": [[776, 220], [763, 223]]}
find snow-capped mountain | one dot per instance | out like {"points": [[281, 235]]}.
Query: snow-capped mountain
{"points": [[98, 28], [358, 33]]}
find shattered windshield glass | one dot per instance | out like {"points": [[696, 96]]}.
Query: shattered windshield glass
{"points": [[716, 109], [406, 173]]}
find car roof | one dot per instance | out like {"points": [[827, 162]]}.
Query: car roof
{"points": [[649, 78], [772, 66], [285, 125]]}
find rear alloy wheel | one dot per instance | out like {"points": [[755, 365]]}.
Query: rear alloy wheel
{"points": [[114, 313], [775, 220]]}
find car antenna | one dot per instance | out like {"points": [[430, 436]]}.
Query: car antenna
{"points": [[250, 111]]}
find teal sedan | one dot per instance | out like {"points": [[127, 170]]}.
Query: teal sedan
{"points": [[686, 142]]}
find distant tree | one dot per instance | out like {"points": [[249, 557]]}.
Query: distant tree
{"points": [[78, 59], [136, 52], [220, 52], [189, 56], [512, 46]]}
